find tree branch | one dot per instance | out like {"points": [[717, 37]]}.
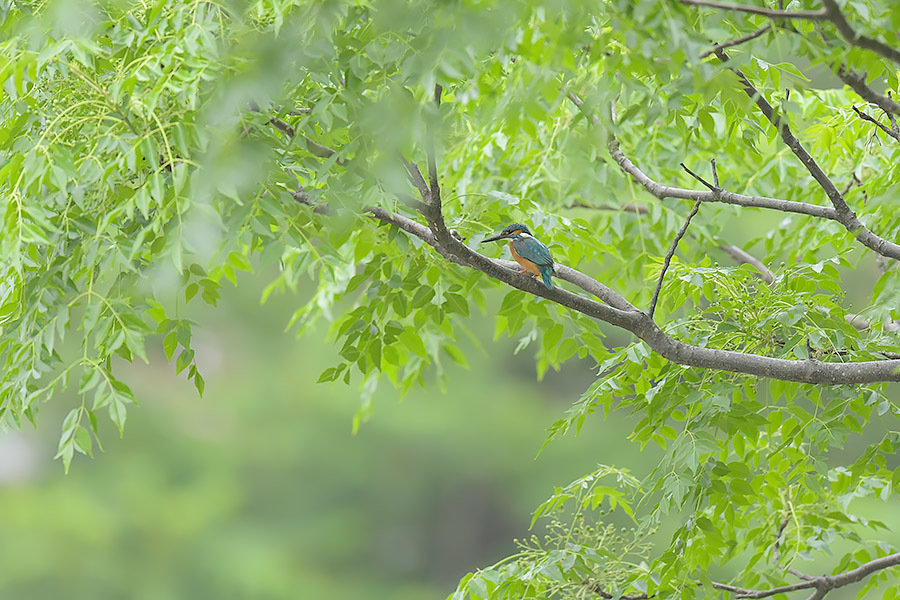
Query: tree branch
{"points": [[822, 584], [740, 592], [314, 148], [736, 42], [864, 570], [604, 594], [620, 313], [735, 252], [894, 127], [858, 84], [844, 215], [812, 15], [714, 188], [850, 222], [777, 560], [435, 199], [638, 209], [893, 133], [744, 257], [670, 254], [791, 141], [415, 176], [833, 13], [641, 325], [663, 191]]}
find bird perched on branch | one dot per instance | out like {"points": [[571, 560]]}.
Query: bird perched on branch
{"points": [[528, 251]]}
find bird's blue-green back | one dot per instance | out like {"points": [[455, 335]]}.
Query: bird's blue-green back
{"points": [[533, 250]]}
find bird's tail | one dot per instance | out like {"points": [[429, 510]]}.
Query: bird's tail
{"points": [[546, 272]]}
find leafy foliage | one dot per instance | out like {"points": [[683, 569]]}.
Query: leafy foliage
{"points": [[577, 559], [150, 153]]}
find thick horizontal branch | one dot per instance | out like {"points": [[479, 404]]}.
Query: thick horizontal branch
{"points": [[586, 283], [620, 314], [863, 571], [821, 584]]}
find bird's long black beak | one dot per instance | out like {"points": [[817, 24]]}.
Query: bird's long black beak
{"points": [[495, 238]]}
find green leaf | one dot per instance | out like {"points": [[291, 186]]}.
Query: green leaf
{"points": [[170, 343], [185, 359]]}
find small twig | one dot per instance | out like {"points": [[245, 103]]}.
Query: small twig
{"points": [[314, 147], [604, 594], [777, 543], [736, 42], [784, 523], [714, 188], [303, 197], [735, 252], [891, 132], [850, 183], [670, 254], [712, 162]]}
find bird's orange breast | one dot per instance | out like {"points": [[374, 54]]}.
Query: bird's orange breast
{"points": [[526, 264]]}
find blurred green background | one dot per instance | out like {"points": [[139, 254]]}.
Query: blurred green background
{"points": [[259, 489]]}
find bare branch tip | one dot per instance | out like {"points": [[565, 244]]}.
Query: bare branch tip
{"points": [[438, 91], [712, 188]]}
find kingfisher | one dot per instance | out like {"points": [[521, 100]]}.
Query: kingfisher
{"points": [[528, 251]]}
